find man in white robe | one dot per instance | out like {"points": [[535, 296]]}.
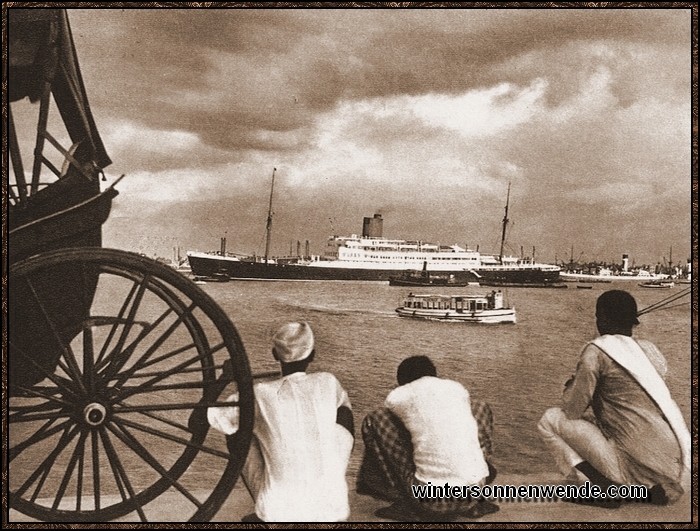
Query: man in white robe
{"points": [[302, 437]]}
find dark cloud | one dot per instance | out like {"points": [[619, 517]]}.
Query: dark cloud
{"points": [[260, 86], [261, 70]]}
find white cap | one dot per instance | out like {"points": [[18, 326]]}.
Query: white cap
{"points": [[293, 342]]}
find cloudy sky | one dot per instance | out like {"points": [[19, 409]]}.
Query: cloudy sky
{"points": [[424, 116]]}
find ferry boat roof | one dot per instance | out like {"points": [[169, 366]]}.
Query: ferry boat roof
{"points": [[427, 296]]}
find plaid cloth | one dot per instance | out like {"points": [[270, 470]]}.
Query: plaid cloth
{"points": [[388, 470]]}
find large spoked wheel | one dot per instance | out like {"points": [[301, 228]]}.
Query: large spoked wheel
{"points": [[113, 362]]}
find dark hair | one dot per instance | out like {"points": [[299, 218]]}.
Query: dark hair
{"points": [[413, 368], [617, 307]]}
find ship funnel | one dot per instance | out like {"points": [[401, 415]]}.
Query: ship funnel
{"points": [[625, 262], [372, 227]]}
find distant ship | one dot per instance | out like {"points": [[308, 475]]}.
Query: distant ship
{"points": [[373, 257], [425, 278], [607, 275]]}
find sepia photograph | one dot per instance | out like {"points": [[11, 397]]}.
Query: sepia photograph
{"points": [[368, 263]]}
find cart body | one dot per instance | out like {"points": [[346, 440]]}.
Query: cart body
{"points": [[113, 359]]}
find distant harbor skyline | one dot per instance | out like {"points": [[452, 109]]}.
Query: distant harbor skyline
{"points": [[424, 116]]}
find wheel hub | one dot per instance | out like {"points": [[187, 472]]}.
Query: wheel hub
{"points": [[95, 414]]}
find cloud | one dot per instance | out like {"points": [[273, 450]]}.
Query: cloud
{"points": [[427, 115], [254, 70]]}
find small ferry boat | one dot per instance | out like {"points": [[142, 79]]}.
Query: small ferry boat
{"points": [[663, 284], [426, 278], [214, 277], [488, 309]]}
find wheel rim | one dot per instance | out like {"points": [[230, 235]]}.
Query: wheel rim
{"points": [[118, 419]]}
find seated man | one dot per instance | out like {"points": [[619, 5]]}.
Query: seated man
{"points": [[302, 437], [428, 432], [618, 423]]}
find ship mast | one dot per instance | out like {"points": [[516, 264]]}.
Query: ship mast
{"points": [[505, 224], [268, 228]]}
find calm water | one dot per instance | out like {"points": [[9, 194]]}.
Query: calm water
{"points": [[519, 369]]}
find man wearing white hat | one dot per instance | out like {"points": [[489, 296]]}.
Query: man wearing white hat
{"points": [[302, 437]]}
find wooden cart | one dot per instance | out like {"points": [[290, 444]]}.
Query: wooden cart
{"points": [[113, 358]]}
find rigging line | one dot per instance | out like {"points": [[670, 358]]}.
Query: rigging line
{"points": [[660, 305], [671, 297], [656, 307], [673, 306], [664, 302]]}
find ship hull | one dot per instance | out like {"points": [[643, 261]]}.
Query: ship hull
{"points": [[585, 277], [530, 284], [503, 315], [247, 270], [430, 283], [518, 277]]}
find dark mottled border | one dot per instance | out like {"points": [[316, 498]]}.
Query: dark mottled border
{"points": [[395, 5]]}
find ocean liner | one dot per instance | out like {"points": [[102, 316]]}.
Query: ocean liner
{"points": [[373, 257]]}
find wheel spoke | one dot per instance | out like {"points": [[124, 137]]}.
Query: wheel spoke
{"points": [[118, 357], [167, 387], [115, 471], [164, 420], [41, 416], [165, 374], [128, 439], [212, 350], [77, 451], [44, 474], [72, 369], [174, 438], [157, 343], [67, 369], [119, 320], [45, 467], [95, 469], [22, 413], [47, 390], [88, 346], [183, 371], [17, 412], [172, 407], [42, 433], [79, 486], [120, 472], [62, 383], [24, 410], [88, 359], [152, 356], [156, 360], [111, 366]]}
